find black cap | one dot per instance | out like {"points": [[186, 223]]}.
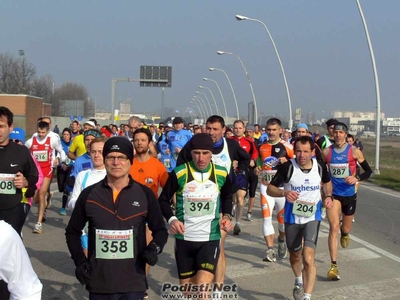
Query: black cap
{"points": [[331, 122], [201, 141], [341, 126], [177, 120], [119, 144]]}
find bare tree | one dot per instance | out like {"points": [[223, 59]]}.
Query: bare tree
{"points": [[42, 87], [15, 75], [70, 91]]}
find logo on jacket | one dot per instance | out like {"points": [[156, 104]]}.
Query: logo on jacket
{"points": [[149, 180], [191, 188], [135, 203], [277, 150], [270, 162]]}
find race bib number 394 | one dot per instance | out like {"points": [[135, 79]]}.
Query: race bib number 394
{"points": [[114, 244], [198, 208], [7, 184]]}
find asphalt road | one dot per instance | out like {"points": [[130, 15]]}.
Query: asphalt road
{"points": [[368, 267]]}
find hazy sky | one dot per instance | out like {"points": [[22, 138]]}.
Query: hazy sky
{"points": [[322, 45]]}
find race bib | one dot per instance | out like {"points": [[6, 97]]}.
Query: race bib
{"points": [[339, 170], [304, 208], [167, 163], [7, 184], [268, 175], [199, 207], [114, 244], [41, 156]]}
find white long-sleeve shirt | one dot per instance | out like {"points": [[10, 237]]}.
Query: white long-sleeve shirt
{"points": [[83, 180], [16, 268]]}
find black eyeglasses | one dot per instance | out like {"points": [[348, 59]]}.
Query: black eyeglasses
{"points": [[16, 141], [119, 158]]}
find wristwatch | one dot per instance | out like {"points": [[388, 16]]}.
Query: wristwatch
{"points": [[158, 249], [228, 216]]}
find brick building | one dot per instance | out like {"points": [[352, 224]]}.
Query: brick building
{"points": [[27, 109]]}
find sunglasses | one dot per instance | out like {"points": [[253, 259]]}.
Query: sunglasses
{"points": [[16, 141]]}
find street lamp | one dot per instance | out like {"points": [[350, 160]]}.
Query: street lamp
{"points": [[377, 90], [203, 103], [241, 18], [248, 79], [199, 105], [233, 92], [208, 101], [215, 102], [198, 108], [22, 62], [222, 97]]}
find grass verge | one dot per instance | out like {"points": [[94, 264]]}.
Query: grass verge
{"points": [[389, 162]]}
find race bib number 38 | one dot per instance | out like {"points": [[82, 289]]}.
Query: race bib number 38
{"points": [[304, 208], [114, 244], [7, 184]]}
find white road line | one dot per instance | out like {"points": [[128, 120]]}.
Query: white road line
{"points": [[383, 289], [370, 246], [379, 191]]}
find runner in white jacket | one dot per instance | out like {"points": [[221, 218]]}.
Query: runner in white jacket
{"points": [[16, 268]]}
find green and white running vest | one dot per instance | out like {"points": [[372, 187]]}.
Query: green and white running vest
{"points": [[198, 201]]}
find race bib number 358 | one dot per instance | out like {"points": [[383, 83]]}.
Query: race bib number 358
{"points": [[114, 244]]}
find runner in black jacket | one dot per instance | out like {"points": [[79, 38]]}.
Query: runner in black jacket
{"points": [[117, 209]]}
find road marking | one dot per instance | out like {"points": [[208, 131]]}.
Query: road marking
{"points": [[370, 246], [383, 289], [379, 191], [349, 255]]}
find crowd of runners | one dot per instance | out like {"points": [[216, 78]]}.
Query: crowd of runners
{"points": [[126, 188]]}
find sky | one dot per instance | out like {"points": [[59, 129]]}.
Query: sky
{"points": [[322, 46]]}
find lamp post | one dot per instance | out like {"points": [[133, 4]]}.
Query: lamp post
{"points": [[241, 18], [208, 101], [233, 92], [201, 100], [248, 79], [198, 108], [199, 105], [377, 90], [215, 102], [22, 62], [222, 97]]}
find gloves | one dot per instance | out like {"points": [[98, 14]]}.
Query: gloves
{"points": [[83, 272], [150, 253], [241, 181]]}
